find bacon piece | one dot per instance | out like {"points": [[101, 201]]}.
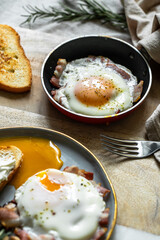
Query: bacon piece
{"points": [[53, 93], [92, 57], [118, 111], [59, 68], [46, 237], [11, 205], [72, 169], [9, 217], [137, 91], [104, 218], [62, 62], [102, 190], [58, 71], [87, 175], [103, 59], [55, 82], [61, 65], [81, 172], [124, 74], [22, 234], [99, 233]]}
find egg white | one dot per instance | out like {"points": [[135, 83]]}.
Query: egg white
{"points": [[80, 69], [69, 213]]}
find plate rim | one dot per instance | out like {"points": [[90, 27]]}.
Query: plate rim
{"points": [[79, 143]]}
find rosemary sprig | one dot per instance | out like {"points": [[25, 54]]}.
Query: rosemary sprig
{"points": [[86, 10]]}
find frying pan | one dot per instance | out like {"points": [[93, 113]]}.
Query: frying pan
{"points": [[115, 49]]}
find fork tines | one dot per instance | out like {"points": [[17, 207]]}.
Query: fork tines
{"points": [[126, 148]]}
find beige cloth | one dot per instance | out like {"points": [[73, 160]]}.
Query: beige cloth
{"points": [[135, 181], [153, 128], [143, 18]]}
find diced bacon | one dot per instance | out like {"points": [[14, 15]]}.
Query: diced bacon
{"points": [[103, 59], [53, 93], [60, 100], [72, 169], [22, 234], [6, 213], [80, 172], [102, 190], [58, 71], [92, 57], [11, 205], [61, 65], [124, 74], [56, 74], [108, 61], [137, 91], [55, 82], [87, 175], [99, 233], [104, 218], [46, 237], [59, 68], [118, 111], [9, 217], [62, 61]]}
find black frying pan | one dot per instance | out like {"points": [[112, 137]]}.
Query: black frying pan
{"points": [[117, 50]]}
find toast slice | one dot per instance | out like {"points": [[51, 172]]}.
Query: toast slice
{"points": [[10, 161], [15, 68]]}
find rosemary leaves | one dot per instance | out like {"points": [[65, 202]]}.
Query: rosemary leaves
{"points": [[3, 234], [86, 10]]}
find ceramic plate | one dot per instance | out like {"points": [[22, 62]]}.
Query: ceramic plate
{"points": [[72, 153]]}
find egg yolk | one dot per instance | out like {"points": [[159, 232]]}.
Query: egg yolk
{"points": [[38, 154], [94, 91], [47, 183]]}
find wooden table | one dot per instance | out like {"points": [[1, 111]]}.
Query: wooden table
{"points": [[136, 182]]}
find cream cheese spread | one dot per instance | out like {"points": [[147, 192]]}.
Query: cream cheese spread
{"points": [[7, 163]]}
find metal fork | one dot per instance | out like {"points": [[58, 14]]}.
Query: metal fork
{"points": [[130, 148]]}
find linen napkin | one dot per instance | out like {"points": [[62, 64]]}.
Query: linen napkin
{"points": [[143, 19], [153, 128]]}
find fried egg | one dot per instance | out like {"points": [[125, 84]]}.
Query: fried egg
{"points": [[63, 205], [96, 86]]}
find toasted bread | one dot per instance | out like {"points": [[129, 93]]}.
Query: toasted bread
{"points": [[16, 154], [15, 68]]}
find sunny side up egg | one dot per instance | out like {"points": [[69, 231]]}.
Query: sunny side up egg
{"points": [[95, 86], [63, 205]]}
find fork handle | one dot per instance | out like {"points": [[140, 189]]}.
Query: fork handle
{"points": [[154, 146]]}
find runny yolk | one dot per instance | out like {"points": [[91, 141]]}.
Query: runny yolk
{"points": [[38, 154], [94, 91], [47, 183]]}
